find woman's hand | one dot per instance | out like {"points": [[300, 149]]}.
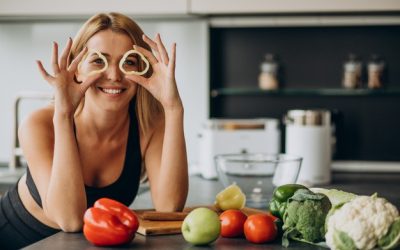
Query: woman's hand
{"points": [[162, 83], [68, 93]]}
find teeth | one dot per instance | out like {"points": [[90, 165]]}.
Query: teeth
{"points": [[112, 91]]}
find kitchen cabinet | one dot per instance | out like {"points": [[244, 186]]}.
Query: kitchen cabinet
{"points": [[214, 7], [311, 59], [25, 9], [20, 9]]}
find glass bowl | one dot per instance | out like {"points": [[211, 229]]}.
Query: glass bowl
{"points": [[257, 174]]}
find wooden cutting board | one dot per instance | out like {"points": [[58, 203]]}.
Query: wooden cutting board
{"points": [[153, 223]]}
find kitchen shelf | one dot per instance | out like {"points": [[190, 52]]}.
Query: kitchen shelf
{"points": [[212, 7], [239, 91]]}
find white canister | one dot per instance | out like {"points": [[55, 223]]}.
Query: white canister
{"points": [[308, 134]]}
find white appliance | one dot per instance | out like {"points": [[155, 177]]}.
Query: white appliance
{"points": [[309, 135], [228, 136]]}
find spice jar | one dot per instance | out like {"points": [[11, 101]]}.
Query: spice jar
{"points": [[375, 72], [352, 72], [269, 70]]}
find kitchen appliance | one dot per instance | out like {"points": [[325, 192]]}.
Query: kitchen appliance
{"points": [[308, 135], [230, 136]]}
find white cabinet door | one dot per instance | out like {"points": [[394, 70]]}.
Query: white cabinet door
{"points": [[290, 6], [85, 8]]}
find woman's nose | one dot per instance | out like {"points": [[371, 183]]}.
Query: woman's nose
{"points": [[114, 73]]}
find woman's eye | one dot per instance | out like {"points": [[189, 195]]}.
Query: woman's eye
{"points": [[98, 61], [130, 62]]}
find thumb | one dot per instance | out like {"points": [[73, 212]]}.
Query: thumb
{"points": [[142, 81], [89, 82]]}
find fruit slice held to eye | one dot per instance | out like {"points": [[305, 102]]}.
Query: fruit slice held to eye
{"points": [[92, 63], [231, 197], [129, 63]]}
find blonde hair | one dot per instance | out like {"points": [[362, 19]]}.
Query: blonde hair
{"points": [[147, 107]]}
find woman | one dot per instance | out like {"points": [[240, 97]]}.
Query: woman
{"points": [[106, 130]]}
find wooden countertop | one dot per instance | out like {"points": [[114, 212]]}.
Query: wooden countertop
{"points": [[202, 192]]}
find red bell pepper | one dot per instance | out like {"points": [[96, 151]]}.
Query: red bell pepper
{"points": [[109, 223]]}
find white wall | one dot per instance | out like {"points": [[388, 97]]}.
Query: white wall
{"points": [[21, 43]]}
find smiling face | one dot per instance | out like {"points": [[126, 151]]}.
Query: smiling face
{"points": [[112, 91]]}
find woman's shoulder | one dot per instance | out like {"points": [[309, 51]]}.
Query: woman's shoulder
{"points": [[40, 120]]}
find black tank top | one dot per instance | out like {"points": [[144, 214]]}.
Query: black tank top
{"points": [[125, 188]]}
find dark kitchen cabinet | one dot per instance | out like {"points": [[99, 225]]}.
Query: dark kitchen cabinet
{"points": [[311, 59]]}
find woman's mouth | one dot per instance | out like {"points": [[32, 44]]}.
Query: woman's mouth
{"points": [[112, 91]]}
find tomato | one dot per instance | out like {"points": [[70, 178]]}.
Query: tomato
{"points": [[232, 222], [260, 228]]}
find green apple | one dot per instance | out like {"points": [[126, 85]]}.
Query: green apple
{"points": [[231, 197], [201, 226]]}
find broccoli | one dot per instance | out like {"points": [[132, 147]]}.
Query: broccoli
{"points": [[304, 219]]}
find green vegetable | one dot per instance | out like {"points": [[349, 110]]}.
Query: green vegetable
{"points": [[392, 239], [336, 197], [304, 218], [343, 241], [278, 203], [279, 224]]}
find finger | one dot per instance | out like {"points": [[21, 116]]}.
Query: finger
{"points": [[152, 59], [162, 50], [138, 79], [54, 58], [171, 65], [74, 64], [43, 72], [153, 46], [89, 82], [65, 53]]}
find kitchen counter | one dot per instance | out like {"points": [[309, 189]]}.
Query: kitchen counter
{"points": [[202, 192]]}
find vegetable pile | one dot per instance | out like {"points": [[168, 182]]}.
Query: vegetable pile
{"points": [[345, 220]]}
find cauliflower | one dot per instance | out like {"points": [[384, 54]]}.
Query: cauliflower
{"points": [[360, 223]]}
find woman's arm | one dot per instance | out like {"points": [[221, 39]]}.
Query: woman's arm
{"points": [[165, 157], [55, 166], [166, 163], [50, 146]]}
